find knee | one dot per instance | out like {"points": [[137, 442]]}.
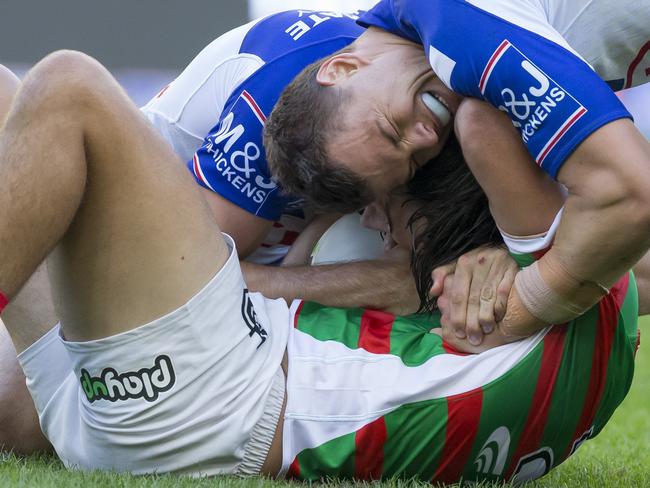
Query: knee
{"points": [[65, 78], [8, 80]]}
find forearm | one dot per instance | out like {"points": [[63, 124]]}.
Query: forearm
{"points": [[382, 285], [605, 228], [301, 249]]}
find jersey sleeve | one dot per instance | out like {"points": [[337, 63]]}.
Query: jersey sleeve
{"points": [[185, 110], [527, 249], [506, 53], [232, 162]]}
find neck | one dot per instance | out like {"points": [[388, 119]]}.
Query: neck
{"points": [[374, 42]]}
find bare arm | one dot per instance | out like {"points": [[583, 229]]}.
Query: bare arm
{"points": [[523, 199], [302, 248], [605, 228], [247, 230], [385, 284]]}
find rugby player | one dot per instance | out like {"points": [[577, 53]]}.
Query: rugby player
{"points": [[164, 362], [386, 114], [223, 72], [237, 76]]}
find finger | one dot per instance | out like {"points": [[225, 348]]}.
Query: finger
{"points": [[481, 274], [459, 297], [487, 303], [488, 297], [503, 292], [438, 275], [443, 307], [444, 317]]}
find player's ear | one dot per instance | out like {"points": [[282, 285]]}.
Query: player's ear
{"points": [[339, 67]]}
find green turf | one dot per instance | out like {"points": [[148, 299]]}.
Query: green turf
{"points": [[618, 457]]}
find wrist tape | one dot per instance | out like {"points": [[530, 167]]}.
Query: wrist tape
{"points": [[543, 302]]}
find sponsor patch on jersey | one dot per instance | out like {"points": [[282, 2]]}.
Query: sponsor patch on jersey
{"points": [[541, 109], [146, 383], [232, 154]]}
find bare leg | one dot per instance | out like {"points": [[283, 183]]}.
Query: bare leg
{"points": [[33, 309], [8, 85], [31, 314], [131, 235]]}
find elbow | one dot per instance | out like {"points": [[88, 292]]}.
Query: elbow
{"points": [[621, 200], [637, 205]]}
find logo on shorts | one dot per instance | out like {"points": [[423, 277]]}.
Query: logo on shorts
{"points": [[250, 317], [145, 383]]}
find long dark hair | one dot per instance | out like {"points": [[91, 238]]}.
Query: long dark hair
{"points": [[454, 217]]}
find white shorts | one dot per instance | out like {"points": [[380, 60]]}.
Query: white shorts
{"points": [[198, 391]]}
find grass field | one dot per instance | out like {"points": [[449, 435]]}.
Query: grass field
{"points": [[618, 457]]}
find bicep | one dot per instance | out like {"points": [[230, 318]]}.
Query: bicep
{"points": [[523, 199], [247, 230]]}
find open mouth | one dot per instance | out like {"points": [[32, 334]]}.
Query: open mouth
{"points": [[437, 107]]}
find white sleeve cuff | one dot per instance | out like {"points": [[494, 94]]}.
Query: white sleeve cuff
{"points": [[530, 244]]}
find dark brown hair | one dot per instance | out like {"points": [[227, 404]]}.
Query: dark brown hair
{"points": [[453, 217], [295, 138]]}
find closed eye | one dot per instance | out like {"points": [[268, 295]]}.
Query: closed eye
{"points": [[389, 132]]}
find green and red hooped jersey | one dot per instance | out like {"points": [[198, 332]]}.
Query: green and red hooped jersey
{"points": [[517, 426]]}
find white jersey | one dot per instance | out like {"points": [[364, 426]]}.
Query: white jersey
{"points": [[613, 37], [213, 114], [614, 40]]}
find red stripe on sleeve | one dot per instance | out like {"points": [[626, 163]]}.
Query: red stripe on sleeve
{"points": [[161, 92], [374, 333], [463, 419], [369, 442], [289, 237], [608, 310], [541, 402]]}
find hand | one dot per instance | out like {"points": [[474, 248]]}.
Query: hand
{"points": [[498, 337], [473, 292]]}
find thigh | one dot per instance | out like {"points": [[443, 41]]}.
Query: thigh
{"points": [[8, 86], [31, 314], [142, 242]]}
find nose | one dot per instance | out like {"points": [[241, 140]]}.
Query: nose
{"points": [[374, 217]]}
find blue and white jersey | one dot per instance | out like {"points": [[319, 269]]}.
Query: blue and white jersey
{"points": [[227, 92], [506, 52]]}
